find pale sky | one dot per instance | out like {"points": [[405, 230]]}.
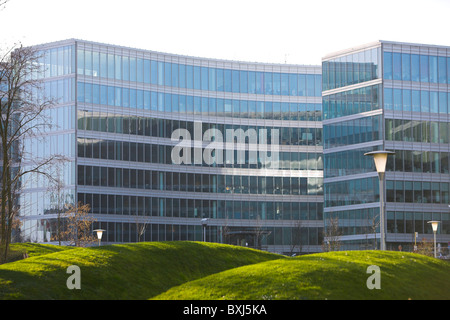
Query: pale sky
{"points": [[277, 31]]}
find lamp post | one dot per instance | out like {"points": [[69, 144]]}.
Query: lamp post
{"points": [[434, 225], [380, 159], [99, 235], [204, 224]]}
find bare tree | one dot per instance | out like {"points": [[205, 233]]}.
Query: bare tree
{"points": [[21, 107], [332, 235], [296, 237], [78, 226]]}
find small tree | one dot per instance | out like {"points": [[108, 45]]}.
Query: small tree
{"points": [[296, 237], [425, 247], [332, 235], [78, 226]]}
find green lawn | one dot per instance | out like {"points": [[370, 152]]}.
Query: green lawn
{"points": [[128, 271], [335, 275], [195, 270]]}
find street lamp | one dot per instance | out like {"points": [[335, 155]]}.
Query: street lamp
{"points": [[99, 235], [434, 225], [380, 159], [204, 224]]}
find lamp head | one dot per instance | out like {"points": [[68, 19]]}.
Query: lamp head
{"points": [[434, 225], [380, 159], [99, 233]]}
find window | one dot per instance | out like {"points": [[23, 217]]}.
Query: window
{"points": [[406, 67], [387, 67], [424, 68]]}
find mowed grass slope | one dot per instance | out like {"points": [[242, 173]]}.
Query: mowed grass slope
{"points": [[334, 275], [128, 271]]}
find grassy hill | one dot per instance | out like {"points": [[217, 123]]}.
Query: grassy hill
{"points": [[192, 270], [334, 275], [128, 271]]}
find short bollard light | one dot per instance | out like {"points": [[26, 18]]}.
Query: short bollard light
{"points": [[99, 235]]}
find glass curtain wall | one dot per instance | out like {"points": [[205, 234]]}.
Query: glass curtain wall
{"points": [[352, 126], [131, 102]]}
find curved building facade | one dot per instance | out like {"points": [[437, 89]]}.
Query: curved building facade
{"points": [[159, 142]]}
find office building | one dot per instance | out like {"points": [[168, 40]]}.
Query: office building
{"points": [[387, 96], [251, 163]]}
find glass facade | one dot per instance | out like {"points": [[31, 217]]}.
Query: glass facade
{"points": [[398, 101], [294, 160], [124, 106]]}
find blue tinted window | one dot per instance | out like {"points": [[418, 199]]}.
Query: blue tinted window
{"points": [[276, 83], [442, 69], [133, 98], [227, 80], [443, 102], [397, 66], [284, 84], [197, 105], [95, 64], [204, 81], [434, 102], [318, 85], [189, 77], [197, 78], [103, 65], [406, 100], [220, 85], [154, 101], [251, 82], [175, 75], [160, 73], [160, 101], [293, 85], [406, 67], [212, 106], [243, 79], [118, 97], [154, 72], [448, 70], [110, 66], [139, 70], [397, 99], [425, 101], [133, 75], [268, 83], [310, 85], [182, 76], [235, 80], [302, 85], [182, 103], [126, 68], [259, 82], [125, 96], [167, 74], [204, 107], [388, 98], [140, 99], [146, 71], [212, 79], [96, 94], [416, 100], [167, 102], [415, 67], [433, 66], [387, 65], [147, 100], [424, 68], [80, 97]]}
